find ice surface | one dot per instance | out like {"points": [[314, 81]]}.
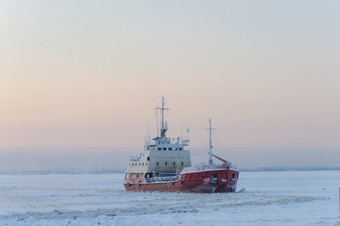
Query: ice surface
{"points": [[270, 198]]}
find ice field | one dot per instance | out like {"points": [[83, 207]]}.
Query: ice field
{"points": [[270, 198]]}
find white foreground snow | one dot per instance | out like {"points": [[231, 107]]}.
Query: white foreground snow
{"points": [[271, 198]]}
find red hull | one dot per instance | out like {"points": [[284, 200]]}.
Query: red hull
{"points": [[201, 181]]}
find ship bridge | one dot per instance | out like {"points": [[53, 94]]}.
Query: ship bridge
{"points": [[161, 156]]}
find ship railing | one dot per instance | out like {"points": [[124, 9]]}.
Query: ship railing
{"points": [[210, 166], [199, 168], [233, 166], [161, 179], [135, 158]]}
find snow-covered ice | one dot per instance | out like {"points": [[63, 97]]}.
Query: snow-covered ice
{"points": [[270, 198]]}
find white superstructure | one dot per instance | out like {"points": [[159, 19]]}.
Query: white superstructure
{"points": [[162, 156]]}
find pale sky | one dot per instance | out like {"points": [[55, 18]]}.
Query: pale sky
{"points": [[84, 77]]}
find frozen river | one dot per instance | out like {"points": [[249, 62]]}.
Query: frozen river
{"points": [[270, 198]]}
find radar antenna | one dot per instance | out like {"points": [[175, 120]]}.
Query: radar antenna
{"points": [[164, 124]]}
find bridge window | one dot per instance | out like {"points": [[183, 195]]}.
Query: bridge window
{"points": [[148, 158], [180, 149], [170, 149], [164, 149], [166, 163], [142, 163], [148, 148], [159, 149]]}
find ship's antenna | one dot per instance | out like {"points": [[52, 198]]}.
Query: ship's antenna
{"points": [[210, 146], [162, 114], [210, 143], [181, 123], [164, 124], [157, 122]]}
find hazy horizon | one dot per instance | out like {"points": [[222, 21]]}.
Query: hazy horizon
{"points": [[107, 159], [78, 79]]}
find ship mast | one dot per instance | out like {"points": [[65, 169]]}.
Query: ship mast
{"points": [[164, 124], [210, 143]]}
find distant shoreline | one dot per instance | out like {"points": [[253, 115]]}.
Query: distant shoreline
{"points": [[120, 171]]}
